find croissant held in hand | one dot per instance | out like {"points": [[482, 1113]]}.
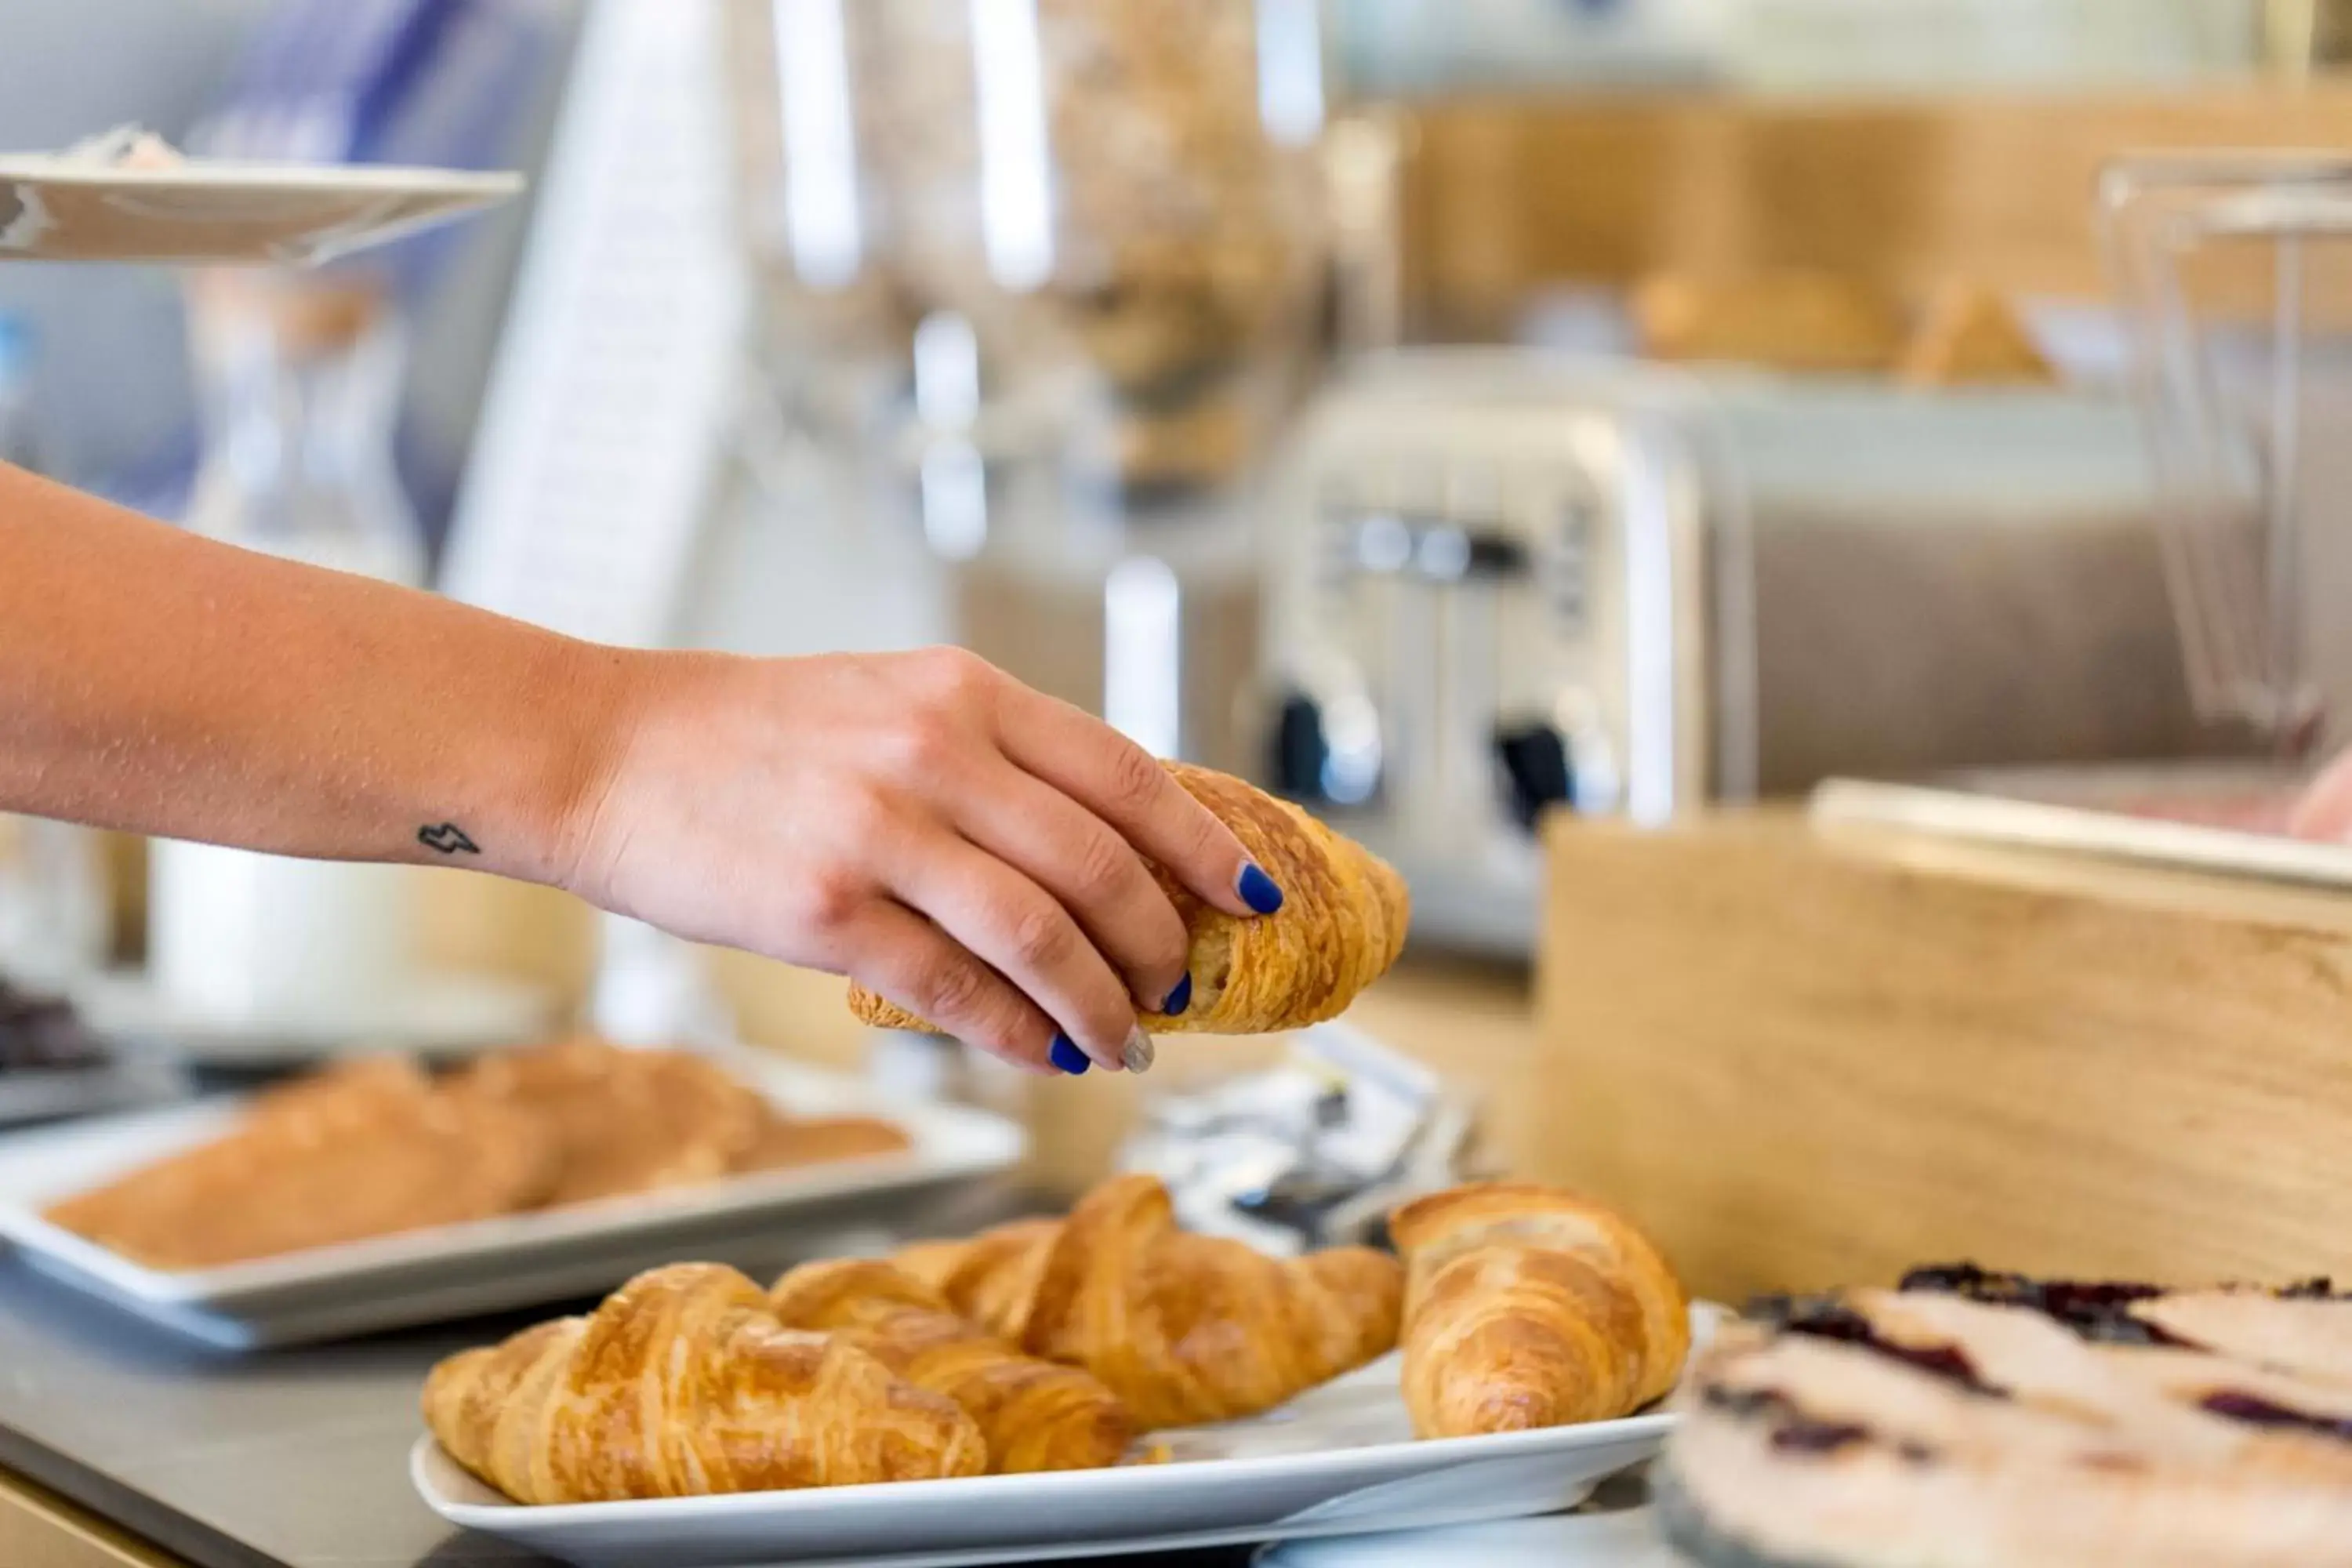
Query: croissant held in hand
{"points": [[1529, 1307], [682, 1383], [1035, 1415], [1341, 924], [1184, 1329]]}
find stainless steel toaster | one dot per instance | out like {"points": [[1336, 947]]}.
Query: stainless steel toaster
{"points": [[1502, 582]]}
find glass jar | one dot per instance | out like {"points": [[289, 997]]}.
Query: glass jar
{"points": [[1123, 201], [809, 543], [1108, 218]]}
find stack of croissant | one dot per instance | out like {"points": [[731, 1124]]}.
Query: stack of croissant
{"points": [[1057, 1345]]}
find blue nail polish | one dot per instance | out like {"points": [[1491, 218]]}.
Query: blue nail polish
{"points": [[1180, 998], [1259, 892], [1066, 1056]]}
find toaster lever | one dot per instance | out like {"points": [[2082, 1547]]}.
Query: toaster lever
{"points": [[1537, 771]]}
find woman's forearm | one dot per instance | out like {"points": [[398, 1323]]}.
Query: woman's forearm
{"points": [[978, 853], [166, 684]]}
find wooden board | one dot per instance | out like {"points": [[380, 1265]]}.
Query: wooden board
{"points": [[40, 1530], [1805, 1062], [1505, 195]]}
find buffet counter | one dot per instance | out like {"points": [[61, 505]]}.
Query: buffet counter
{"points": [[114, 1436]]}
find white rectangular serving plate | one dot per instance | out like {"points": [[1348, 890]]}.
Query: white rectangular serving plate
{"points": [[217, 212], [483, 1266], [1338, 1460]]}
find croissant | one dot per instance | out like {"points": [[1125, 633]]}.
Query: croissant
{"points": [[685, 1383], [1529, 1307], [1183, 1329], [990, 1278], [1341, 924], [1035, 1414]]}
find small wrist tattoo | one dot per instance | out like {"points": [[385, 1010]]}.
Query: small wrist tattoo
{"points": [[448, 837]]}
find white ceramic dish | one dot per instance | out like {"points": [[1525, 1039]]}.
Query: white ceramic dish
{"points": [[215, 212], [1339, 1460], [755, 1221]]}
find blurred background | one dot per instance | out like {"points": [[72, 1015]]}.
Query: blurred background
{"points": [[1445, 415], [1688, 481]]}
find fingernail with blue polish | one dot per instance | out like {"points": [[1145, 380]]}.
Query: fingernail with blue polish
{"points": [[1066, 1056], [1180, 998], [1259, 892]]}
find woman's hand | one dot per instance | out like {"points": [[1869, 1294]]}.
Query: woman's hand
{"points": [[968, 847]]}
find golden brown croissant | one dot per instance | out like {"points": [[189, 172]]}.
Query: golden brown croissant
{"points": [[1341, 924], [685, 1383], [1184, 1329], [990, 1278], [1037, 1416], [1525, 1306]]}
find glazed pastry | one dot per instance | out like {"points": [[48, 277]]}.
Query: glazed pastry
{"points": [[1530, 1306], [377, 1146], [1986, 1419], [1035, 1415], [685, 1383], [1341, 924], [624, 1121], [786, 1141], [1183, 1329], [365, 1148]]}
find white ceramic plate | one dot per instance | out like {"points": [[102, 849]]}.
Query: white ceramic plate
{"points": [[208, 212], [1339, 1460], [757, 1222]]}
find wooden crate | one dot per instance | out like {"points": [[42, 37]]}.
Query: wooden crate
{"points": [[1807, 1061]]}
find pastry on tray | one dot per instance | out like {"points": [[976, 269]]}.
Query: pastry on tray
{"points": [[1184, 1329], [379, 1146], [1527, 1306], [685, 1383], [1974, 1418], [1341, 924], [366, 1149]]}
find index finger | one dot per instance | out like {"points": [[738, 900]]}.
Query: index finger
{"points": [[1121, 783]]}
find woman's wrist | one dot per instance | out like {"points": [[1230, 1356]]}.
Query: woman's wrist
{"points": [[576, 705]]}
